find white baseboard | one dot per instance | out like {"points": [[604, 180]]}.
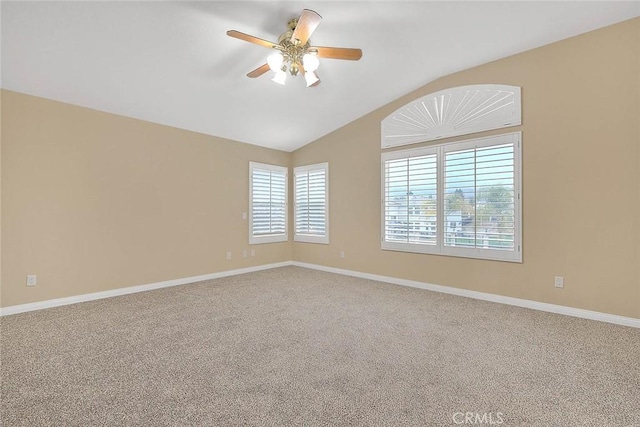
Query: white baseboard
{"points": [[535, 305], [518, 302], [15, 309]]}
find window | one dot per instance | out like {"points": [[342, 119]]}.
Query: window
{"points": [[267, 203], [459, 199], [455, 111], [410, 195], [311, 203]]}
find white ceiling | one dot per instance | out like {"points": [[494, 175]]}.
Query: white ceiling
{"points": [[171, 62]]}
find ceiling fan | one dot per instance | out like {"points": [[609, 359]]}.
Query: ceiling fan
{"points": [[295, 52]]}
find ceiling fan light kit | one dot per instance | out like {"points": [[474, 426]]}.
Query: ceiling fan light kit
{"points": [[295, 53], [275, 61], [280, 77], [310, 62], [311, 78]]}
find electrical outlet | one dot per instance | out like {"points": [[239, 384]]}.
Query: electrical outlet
{"points": [[32, 280], [341, 254], [559, 282], [253, 252], [244, 254], [244, 215], [228, 255]]}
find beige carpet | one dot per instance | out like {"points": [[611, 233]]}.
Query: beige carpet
{"points": [[293, 346]]}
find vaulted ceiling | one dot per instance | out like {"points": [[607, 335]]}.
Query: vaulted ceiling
{"points": [[172, 63]]}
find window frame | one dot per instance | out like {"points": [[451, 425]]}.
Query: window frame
{"points": [[275, 237], [439, 248], [309, 238]]}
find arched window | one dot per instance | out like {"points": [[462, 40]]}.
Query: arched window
{"points": [[451, 112]]}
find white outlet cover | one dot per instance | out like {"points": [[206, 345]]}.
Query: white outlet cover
{"points": [[32, 280], [559, 282], [228, 255]]}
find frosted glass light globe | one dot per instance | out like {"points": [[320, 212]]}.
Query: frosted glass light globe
{"points": [[310, 62], [275, 61]]}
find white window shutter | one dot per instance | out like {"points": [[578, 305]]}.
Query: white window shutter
{"points": [[481, 197], [459, 199], [410, 199], [311, 203], [268, 204], [455, 111]]}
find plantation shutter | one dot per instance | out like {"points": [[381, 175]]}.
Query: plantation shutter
{"points": [[311, 213], [410, 199], [480, 197], [268, 203], [458, 199]]}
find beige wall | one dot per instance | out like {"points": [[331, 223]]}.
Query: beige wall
{"points": [[581, 180], [93, 201]]}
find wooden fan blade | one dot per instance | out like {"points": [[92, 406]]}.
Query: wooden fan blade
{"points": [[258, 71], [337, 52], [307, 24], [251, 39]]}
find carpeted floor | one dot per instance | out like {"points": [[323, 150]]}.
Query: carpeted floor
{"points": [[292, 346]]}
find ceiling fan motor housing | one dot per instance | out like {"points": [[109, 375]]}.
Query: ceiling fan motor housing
{"points": [[292, 52]]}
